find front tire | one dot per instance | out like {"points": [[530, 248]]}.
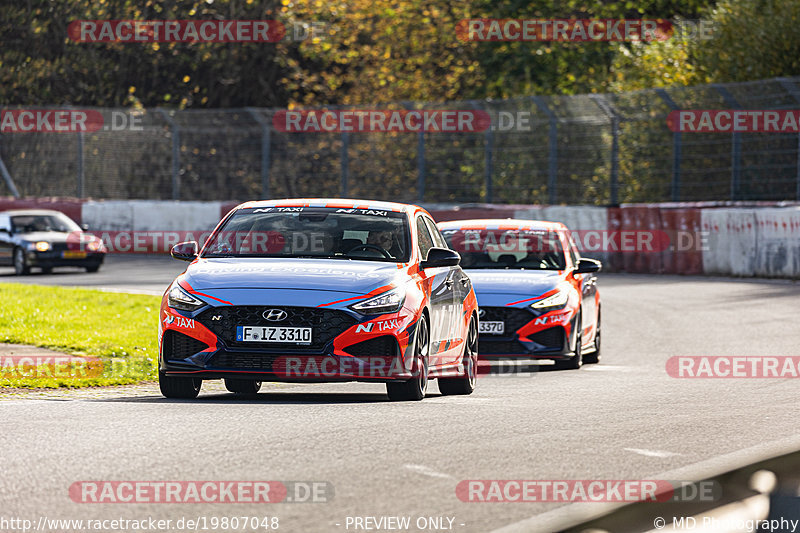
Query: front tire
{"points": [[179, 387], [576, 361], [464, 384], [415, 388], [92, 269], [242, 386], [21, 266], [594, 357]]}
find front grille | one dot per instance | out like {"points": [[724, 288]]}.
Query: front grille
{"points": [[513, 317], [179, 346], [550, 337], [383, 346], [242, 360], [325, 323], [486, 347], [291, 365]]}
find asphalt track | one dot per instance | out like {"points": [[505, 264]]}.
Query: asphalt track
{"points": [[622, 419]]}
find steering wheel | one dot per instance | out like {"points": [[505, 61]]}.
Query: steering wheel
{"points": [[378, 249]]}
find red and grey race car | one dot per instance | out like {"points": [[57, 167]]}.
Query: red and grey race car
{"points": [[538, 298], [319, 291]]}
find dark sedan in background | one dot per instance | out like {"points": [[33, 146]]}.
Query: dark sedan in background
{"points": [[46, 239]]}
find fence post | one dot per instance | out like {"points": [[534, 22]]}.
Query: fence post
{"points": [[792, 89], [81, 173], [676, 149], [265, 150], [736, 144], [488, 159], [345, 162], [176, 154], [608, 109], [552, 150], [7, 178], [420, 159]]}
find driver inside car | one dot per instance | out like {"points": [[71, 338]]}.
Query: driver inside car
{"points": [[385, 240]]}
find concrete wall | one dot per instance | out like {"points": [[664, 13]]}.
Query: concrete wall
{"points": [[761, 240]]}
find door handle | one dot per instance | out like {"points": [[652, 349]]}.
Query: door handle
{"points": [[448, 282], [465, 281]]}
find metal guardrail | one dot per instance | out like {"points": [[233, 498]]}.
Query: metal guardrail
{"points": [[762, 491]]}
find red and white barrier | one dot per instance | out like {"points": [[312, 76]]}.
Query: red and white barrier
{"points": [[756, 240]]}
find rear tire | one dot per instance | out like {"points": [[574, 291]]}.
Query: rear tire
{"points": [[415, 388], [21, 266], [47, 270], [464, 384], [576, 361], [242, 386], [179, 387], [92, 269], [594, 357]]}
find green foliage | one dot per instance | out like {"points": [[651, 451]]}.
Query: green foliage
{"points": [[753, 39]]}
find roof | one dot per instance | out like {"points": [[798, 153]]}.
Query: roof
{"points": [[15, 212], [502, 224], [343, 203]]}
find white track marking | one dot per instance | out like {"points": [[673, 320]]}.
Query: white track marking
{"points": [[651, 453], [425, 471]]}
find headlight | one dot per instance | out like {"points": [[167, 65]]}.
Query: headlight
{"points": [[95, 246], [388, 302], [555, 301], [182, 300], [41, 246]]}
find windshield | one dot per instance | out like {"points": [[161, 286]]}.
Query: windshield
{"points": [[32, 223], [313, 232], [507, 248]]}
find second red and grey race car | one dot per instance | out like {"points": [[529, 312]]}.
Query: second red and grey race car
{"points": [[318, 291], [538, 298]]}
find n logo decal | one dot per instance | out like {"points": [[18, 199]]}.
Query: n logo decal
{"points": [[365, 328]]}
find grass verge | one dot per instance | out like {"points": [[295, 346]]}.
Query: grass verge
{"points": [[118, 331]]}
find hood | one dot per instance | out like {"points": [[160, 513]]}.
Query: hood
{"points": [[516, 282], [339, 275], [49, 236]]}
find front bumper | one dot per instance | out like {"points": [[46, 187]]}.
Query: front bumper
{"points": [[56, 258], [345, 347], [528, 334]]}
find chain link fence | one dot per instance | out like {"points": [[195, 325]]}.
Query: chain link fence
{"points": [[583, 149]]}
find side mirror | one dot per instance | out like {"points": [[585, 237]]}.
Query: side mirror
{"points": [[587, 266], [440, 257], [85, 227], [185, 251]]}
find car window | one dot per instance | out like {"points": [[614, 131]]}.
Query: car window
{"points": [[530, 249], [438, 240], [32, 223], [313, 232], [423, 238], [573, 250]]}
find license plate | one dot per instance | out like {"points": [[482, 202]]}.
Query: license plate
{"points": [[492, 328], [273, 334], [74, 255]]}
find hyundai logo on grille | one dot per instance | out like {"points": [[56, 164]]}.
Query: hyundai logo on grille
{"points": [[274, 315], [481, 313]]}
